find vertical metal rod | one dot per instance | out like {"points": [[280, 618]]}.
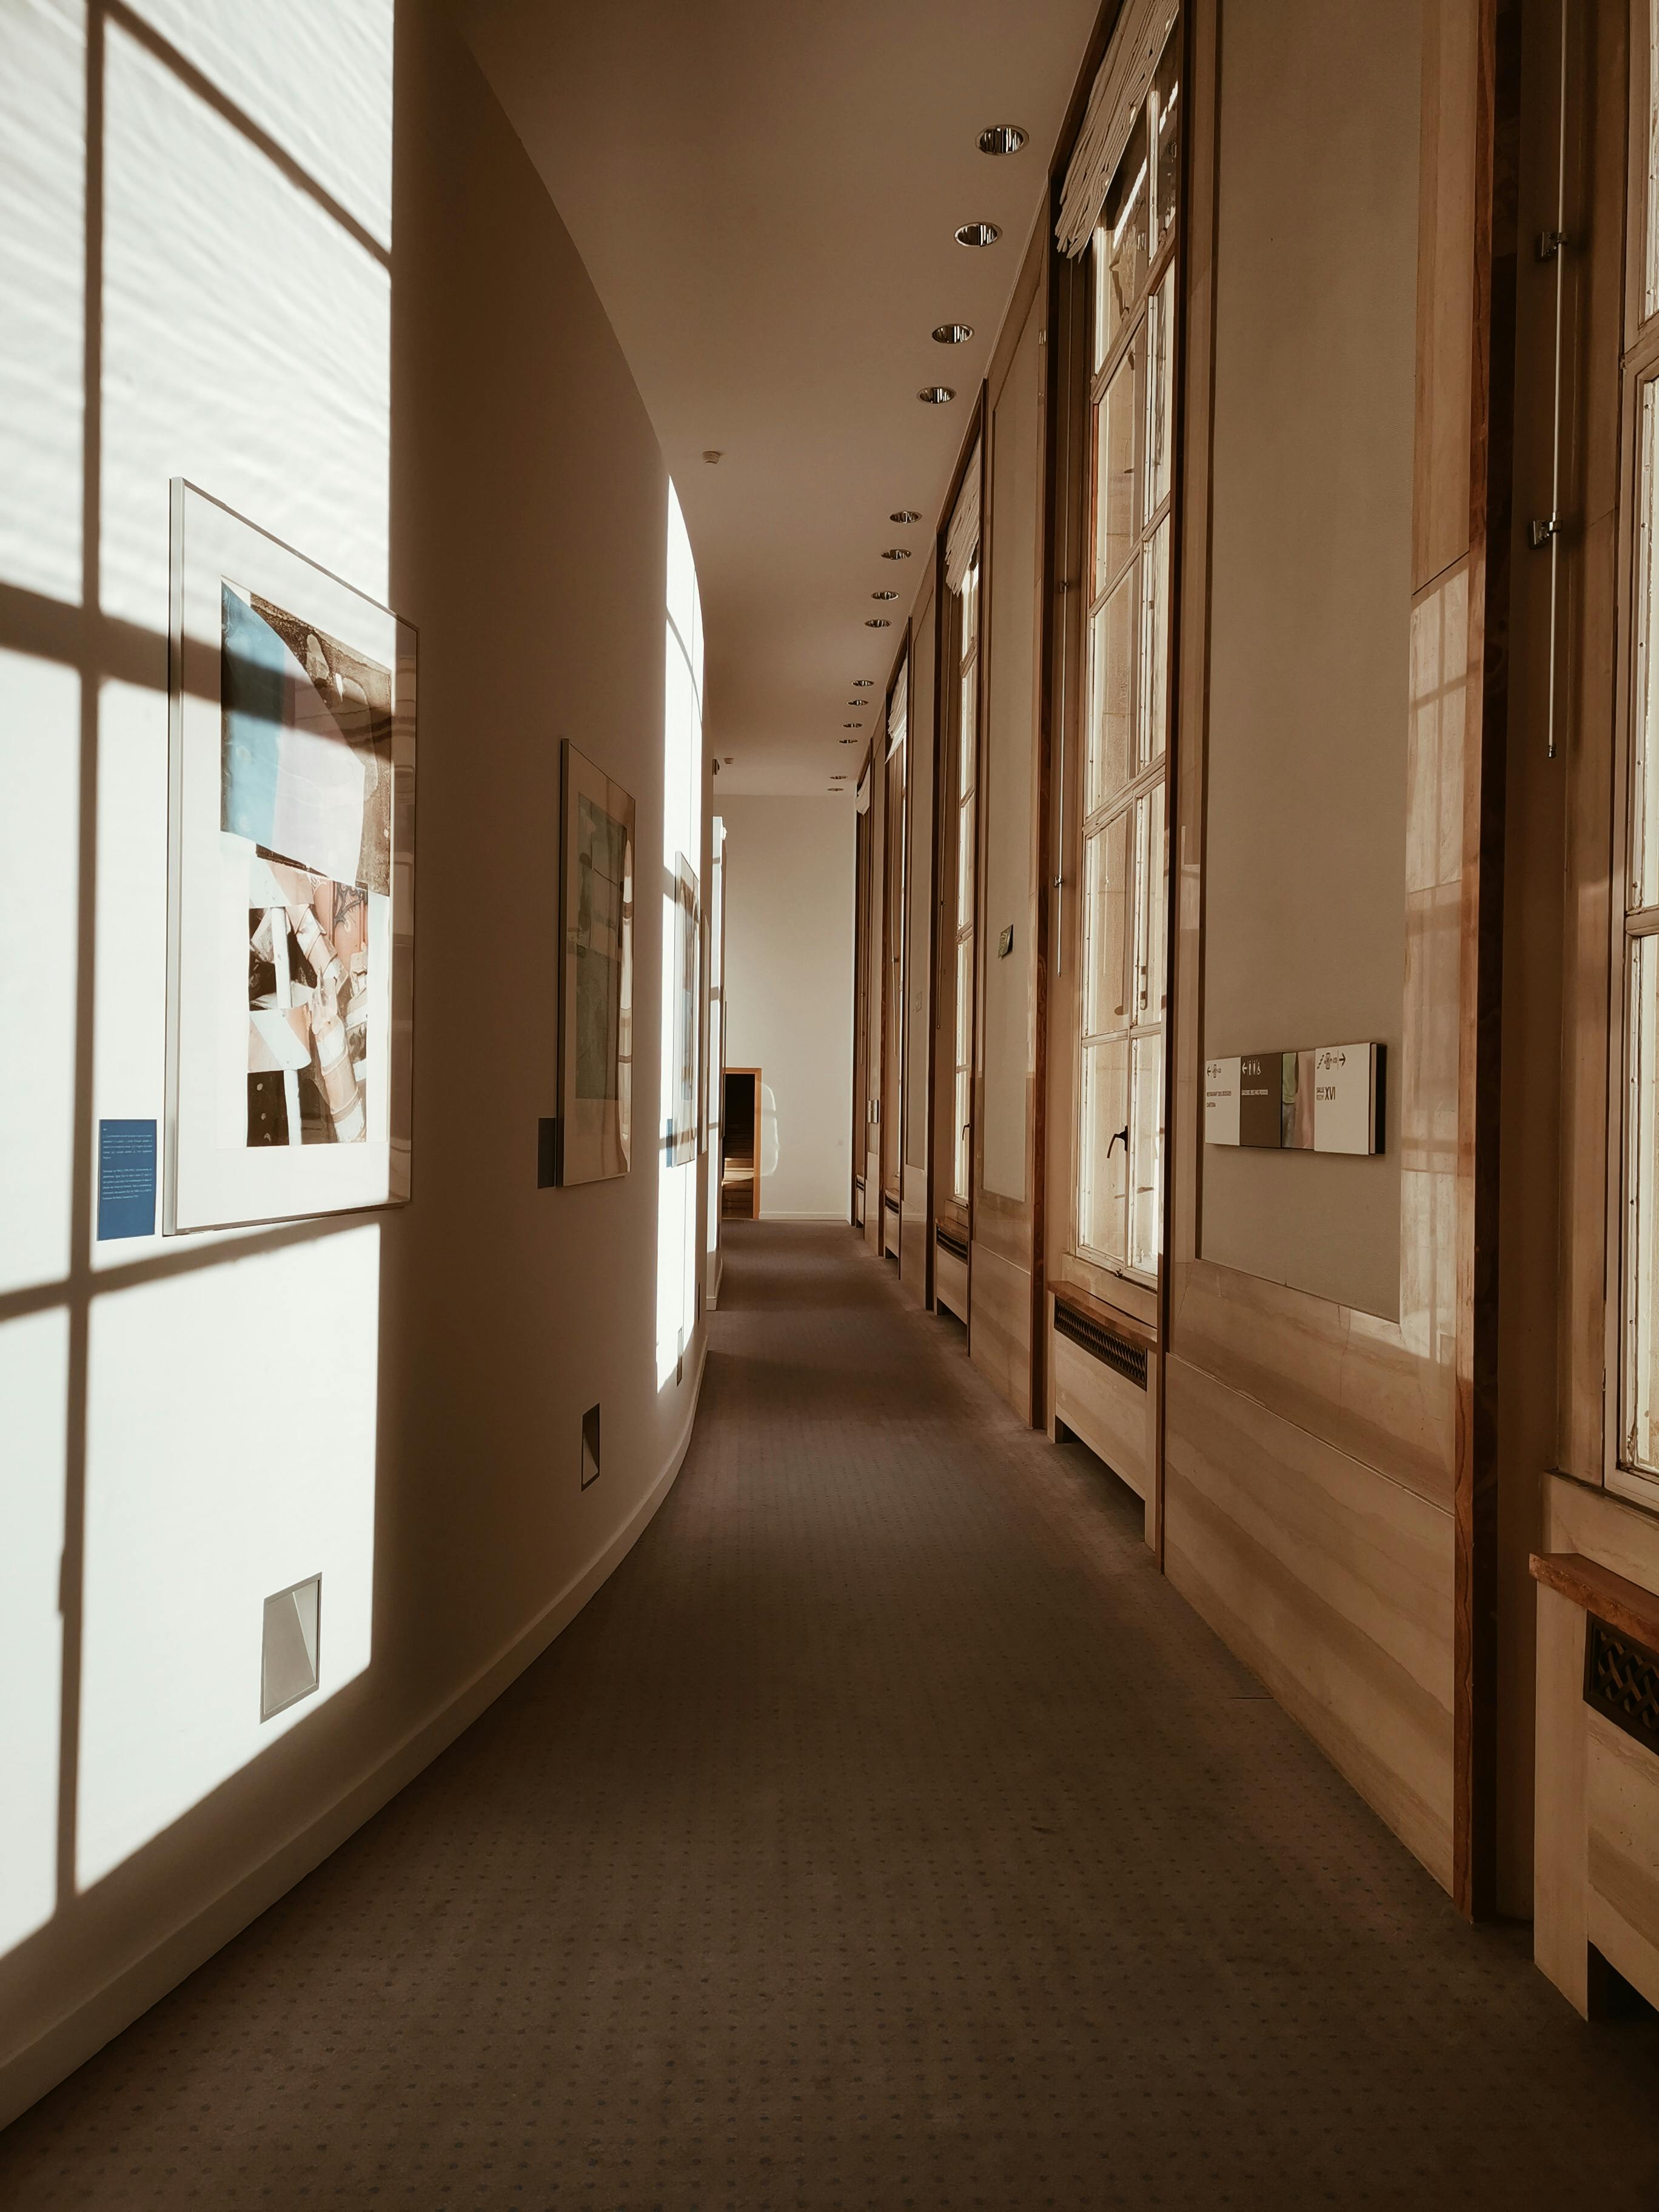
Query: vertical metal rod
{"points": [[1559, 244]]}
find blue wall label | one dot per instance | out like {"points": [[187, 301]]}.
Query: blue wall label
{"points": [[126, 1179]]}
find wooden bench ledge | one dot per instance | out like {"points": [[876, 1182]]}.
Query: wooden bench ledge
{"points": [[1624, 1605]]}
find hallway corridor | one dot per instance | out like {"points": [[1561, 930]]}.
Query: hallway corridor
{"points": [[887, 1832]]}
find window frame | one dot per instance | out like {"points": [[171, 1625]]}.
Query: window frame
{"points": [[1132, 797]]}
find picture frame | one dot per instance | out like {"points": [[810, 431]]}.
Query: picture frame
{"points": [[292, 715], [594, 1141], [680, 1137]]}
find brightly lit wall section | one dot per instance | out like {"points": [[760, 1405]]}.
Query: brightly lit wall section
{"points": [[202, 1410], [682, 846]]}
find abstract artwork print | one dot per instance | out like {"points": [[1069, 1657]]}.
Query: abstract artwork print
{"points": [[306, 770]]}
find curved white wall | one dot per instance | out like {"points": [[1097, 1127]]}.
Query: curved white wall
{"points": [[361, 323]]}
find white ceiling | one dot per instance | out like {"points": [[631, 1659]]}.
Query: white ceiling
{"points": [[764, 193]]}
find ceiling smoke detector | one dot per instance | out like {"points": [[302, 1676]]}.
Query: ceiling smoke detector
{"points": [[904, 514], [936, 395], [1002, 138], [952, 333], [978, 233]]}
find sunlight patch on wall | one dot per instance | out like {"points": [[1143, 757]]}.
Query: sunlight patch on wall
{"points": [[39, 829], [313, 74], [43, 93], [246, 344], [33, 1391], [230, 1454]]}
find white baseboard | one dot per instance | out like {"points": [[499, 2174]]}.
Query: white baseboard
{"points": [[71, 2041]]}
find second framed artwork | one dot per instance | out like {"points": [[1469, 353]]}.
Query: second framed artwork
{"points": [[596, 1011]]}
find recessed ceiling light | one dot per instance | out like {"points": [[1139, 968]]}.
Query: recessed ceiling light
{"points": [[850, 725], [904, 514], [896, 553], [863, 683], [847, 741], [876, 622], [713, 457], [1002, 138], [952, 333], [936, 395], [884, 595], [978, 233]]}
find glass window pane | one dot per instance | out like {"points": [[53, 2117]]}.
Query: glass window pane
{"points": [[1151, 961], [969, 708], [1104, 1182], [965, 862], [1110, 760], [1146, 1147], [1166, 97], [1107, 888], [1152, 689], [1121, 262], [964, 1001], [1645, 782], [1159, 349], [1641, 1442], [961, 1147], [1114, 470]]}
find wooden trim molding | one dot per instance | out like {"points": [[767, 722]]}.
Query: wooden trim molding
{"points": [[1623, 1604]]}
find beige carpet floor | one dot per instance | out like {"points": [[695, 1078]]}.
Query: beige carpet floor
{"points": [[886, 1833]]}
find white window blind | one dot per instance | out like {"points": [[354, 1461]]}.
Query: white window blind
{"points": [[1125, 74], [962, 539], [897, 706]]}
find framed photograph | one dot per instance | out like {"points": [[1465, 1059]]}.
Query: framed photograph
{"points": [[290, 884], [596, 1019], [682, 1133]]}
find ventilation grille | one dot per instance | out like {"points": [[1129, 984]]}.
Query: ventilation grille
{"points": [[1120, 1352], [958, 1246], [1621, 1680], [891, 1204]]}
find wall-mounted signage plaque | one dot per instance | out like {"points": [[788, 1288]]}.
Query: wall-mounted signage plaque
{"points": [[1328, 1100]]}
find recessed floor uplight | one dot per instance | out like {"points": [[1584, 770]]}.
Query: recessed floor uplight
{"points": [[904, 514], [876, 622], [952, 333], [896, 553], [936, 395], [978, 233], [1002, 138]]}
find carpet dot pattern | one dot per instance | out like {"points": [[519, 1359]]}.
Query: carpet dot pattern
{"points": [[886, 1833]]}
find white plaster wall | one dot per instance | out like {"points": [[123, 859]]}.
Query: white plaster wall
{"points": [[789, 990]]}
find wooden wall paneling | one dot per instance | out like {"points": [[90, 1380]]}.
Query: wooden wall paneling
{"points": [[1597, 1871], [1621, 1820], [916, 1281], [950, 1282], [1491, 466], [1333, 1583], [1113, 1416], [1262, 1382], [876, 1003], [1000, 1328], [1561, 1838]]}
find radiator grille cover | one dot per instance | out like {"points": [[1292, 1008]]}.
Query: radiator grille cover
{"points": [[1621, 1680], [1121, 1354]]}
